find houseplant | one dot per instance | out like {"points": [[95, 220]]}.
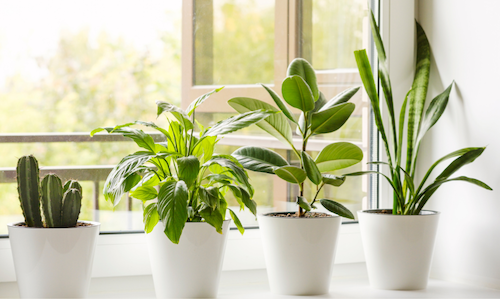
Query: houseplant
{"points": [[399, 242], [52, 258], [184, 216], [291, 235]]}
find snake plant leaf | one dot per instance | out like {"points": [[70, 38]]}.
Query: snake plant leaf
{"points": [[297, 93], [259, 159], [394, 186], [291, 174], [311, 169], [172, 208], [341, 98], [331, 119], [279, 102], [302, 202], [213, 217], [333, 180], [336, 208], [419, 94], [178, 113], [276, 124], [188, 169], [196, 103], [151, 217], [238, 122], [302, 68], [337, 156], [402, 116], [144, 193], [459, 162], [237, 222]]}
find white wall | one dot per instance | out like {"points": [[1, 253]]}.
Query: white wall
{"points": [[465, 42]]}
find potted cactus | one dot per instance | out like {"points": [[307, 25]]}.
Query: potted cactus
{"points": [[52, 255], [183, 185], [299, 246]]}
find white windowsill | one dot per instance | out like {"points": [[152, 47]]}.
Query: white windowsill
{"points": [[349, 281]]}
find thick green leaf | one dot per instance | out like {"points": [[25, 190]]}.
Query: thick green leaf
{"points": [[177, 112], [336, 208], [279, 102], [341, 98], [131, 181], [188, 169], [210, 196], [291, 174], [338, 155], [311, 169], [297, 94], [144, 193], [302, 202], [302, 68], [331, 119], [277, 124], [259, 159], [459, 162], [150, 217], [402, 116], [301, 125], [213, 217], [238, 122], [204, 148], [333, 180], [237, 221], [194, 104], [172, 208]]}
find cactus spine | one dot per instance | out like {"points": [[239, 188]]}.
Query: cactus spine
{"points": [[72, 203], [52, 198], [28, 187]]}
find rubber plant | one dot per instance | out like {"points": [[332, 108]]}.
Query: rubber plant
{"points": [[60, 204], [181, 171], [410, 196], [318, 116]]}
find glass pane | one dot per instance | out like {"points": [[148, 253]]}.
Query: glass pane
{"points": [[234, 42]]}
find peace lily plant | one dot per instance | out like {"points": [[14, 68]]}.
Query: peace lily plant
{"points": [[182, 172], [318, 116], [410, 196]]}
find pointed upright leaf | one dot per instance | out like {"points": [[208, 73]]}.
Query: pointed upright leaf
{"points": [[194, 104], [279, 102], [302, 68], [177, 112], [341, 98]]}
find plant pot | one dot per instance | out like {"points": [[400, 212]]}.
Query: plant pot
{"points": [[398, 248], [53, 262], [190, 269], [299, 253]]}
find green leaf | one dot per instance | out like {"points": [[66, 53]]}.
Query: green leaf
{"points": [[333, 180], [301, 129], [395, 187], [311, 169], [302, 202], [331, 119], [302, 68], [188, 169], [279, 102], [131, 181], [151, 217], [200, 100], [461, 161], [177, 112], [172, 208], [213, 217], [297, 94], [277, 124], [204, 148], [138, 136], [336, 208], [341, 98], [210, 196], [237, 221], [144, 193], [338, 155], [291, 174], [233, 167], [259, 159], [238, 122]]}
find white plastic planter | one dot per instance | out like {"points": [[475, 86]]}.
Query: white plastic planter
{"points": [[299, 253], [53, 262], [190, 269], [398, 248]]}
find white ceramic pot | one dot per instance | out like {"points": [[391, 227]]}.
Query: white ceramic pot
{"points": [[190, 269], [299, 253], [53, 262], [398, 248]]}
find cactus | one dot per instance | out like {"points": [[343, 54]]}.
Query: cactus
{"points": [[52, 199], [28, 187], [72, 202], [60, 205]]}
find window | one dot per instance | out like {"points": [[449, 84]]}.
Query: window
{"points": [[88, 63]]}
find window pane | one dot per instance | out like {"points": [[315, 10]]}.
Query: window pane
{"points": [[234, 42]]}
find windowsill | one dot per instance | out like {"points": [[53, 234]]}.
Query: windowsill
{"points": [[349, 281]]}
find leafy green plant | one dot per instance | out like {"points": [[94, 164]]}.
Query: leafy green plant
{"points": [[191, 180], [409, 197], [61, 205], [318, 116]]}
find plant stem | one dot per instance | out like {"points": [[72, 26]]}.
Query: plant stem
{"points": [[191, 138], [317, 192]]}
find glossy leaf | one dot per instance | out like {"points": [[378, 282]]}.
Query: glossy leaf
{"points": [[311, 169], [333, 180], [188, 168], [291, 174], [144, 193], [172, 208], [302, 68], [331, 119], [301, 129], [237, 122], [204, 148], [341, 98], [151, 217], [138, 136], [336, 208], [196, 103], [297, 94], [210, 196], [237, 221], [259, 159], [279, 102], [302, 202], [131, 181], [177, 112], [213, 217], [338, 155]]}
